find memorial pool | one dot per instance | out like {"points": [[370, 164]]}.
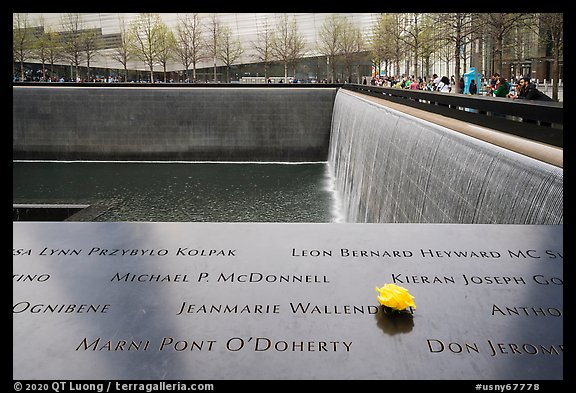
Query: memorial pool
{"points": [[181, 191]]}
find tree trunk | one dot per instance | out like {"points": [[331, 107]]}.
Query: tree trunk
{"points": [[333, 75], [456, 88], [555, 73], [498, 56], [349, 72]]}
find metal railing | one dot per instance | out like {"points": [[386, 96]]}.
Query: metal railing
{"points": [[541, 121]]}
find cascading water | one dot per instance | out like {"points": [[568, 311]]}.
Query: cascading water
{"points": [[392, 167]]}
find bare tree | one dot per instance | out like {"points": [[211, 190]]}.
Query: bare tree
{"points": [[41, 46], [428, 43], [521, 46], [72, 26], [462, 31], [287, 43], [214, 40], [230, 50], [54, 51], [122, 53], [90, 44], [412, 38], [297, 47], [166, 45], [263, 47], [498, 25], [378, 49], [146, 39], [552, 33], [190, 45], [22, 39], [351, 44], [445, 53], [360, 44], [329, 38], [456, 30], [386, 44]]}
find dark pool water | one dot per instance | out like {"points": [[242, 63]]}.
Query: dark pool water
{"points": [[164, 192]]}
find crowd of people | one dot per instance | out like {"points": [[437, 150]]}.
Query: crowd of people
{"points": [[518, 88], [521, 88], [435, 83], [497, 86]]}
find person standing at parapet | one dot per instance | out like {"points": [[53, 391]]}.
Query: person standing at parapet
{"points": [[435, 81], [528, 91], [444, 85], [473, 89], [491, 86], [502, 88], [514, 89]]}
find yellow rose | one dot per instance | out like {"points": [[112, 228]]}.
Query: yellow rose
{"points": [[395, 297]]}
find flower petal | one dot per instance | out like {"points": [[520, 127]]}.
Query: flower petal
{"points": [[395, 297]]}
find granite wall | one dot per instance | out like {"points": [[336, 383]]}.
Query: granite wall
{"points": [[167, 123]]}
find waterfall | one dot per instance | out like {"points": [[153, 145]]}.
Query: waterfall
{"points": [[390, 167]]}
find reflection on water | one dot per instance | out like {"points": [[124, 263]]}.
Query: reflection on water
{"points": [[201, 192]]}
